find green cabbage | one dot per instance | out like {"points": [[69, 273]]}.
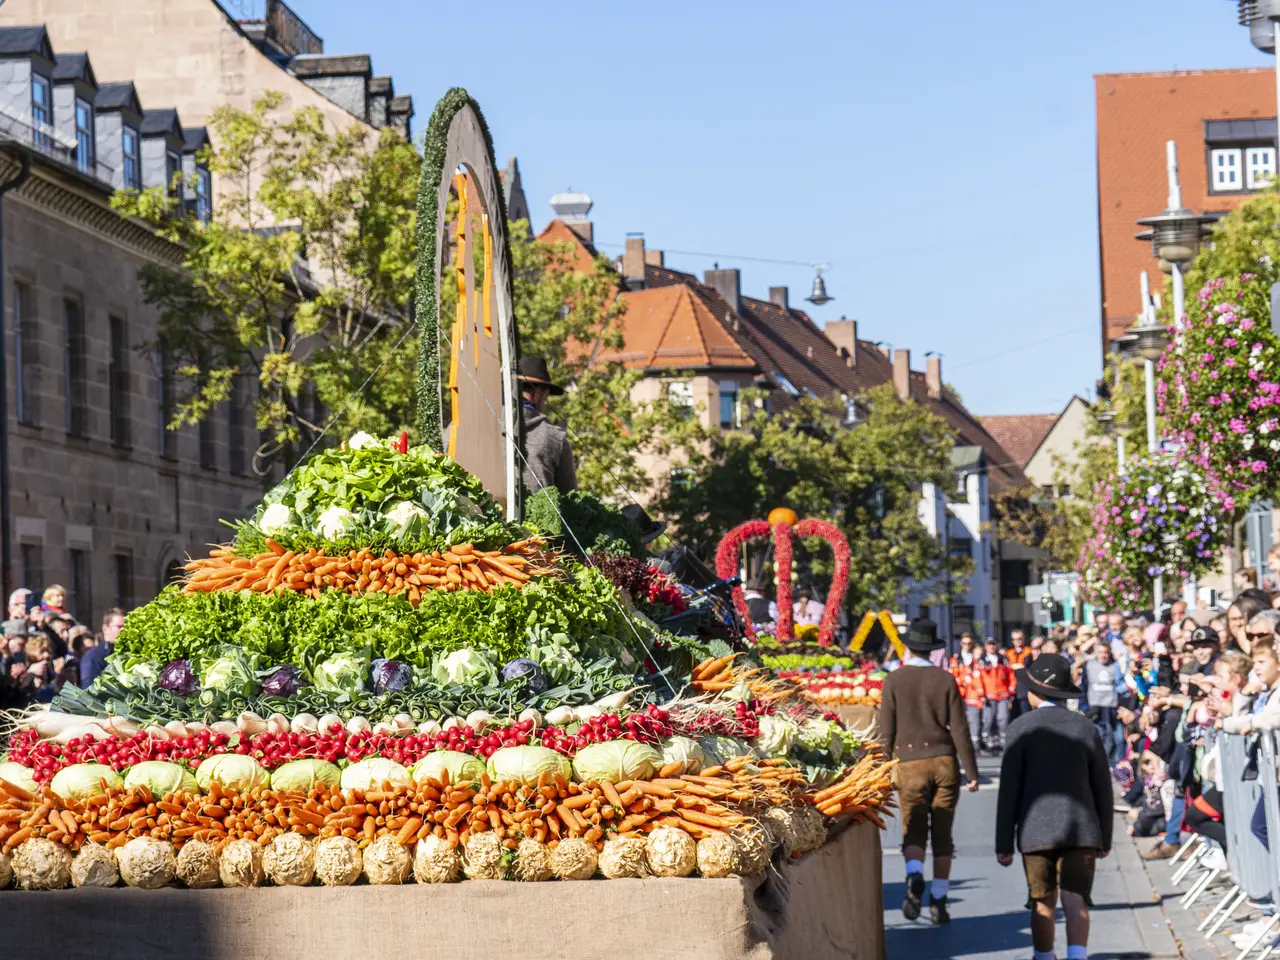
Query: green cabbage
{"points": [[303, 776], [19, 775], [342, 673], [526, 764], [370, 773], [462, 767], [823, 736], [616, 760], [230, 671], [776, 737], [234, 771], [685, 750], [82, 780], [160, 778], [720, 749], [140, 676], [466, 666]]}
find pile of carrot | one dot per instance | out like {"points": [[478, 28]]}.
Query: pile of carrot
{"points": [[862, 793], [461, 567], [719, 674]]}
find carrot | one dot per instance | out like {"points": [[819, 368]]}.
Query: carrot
{"points": [[505, 569], [409, 831], [275, 547], [15, 791]]}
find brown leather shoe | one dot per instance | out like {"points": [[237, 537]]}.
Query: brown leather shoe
{"points": [[1161, 851]]}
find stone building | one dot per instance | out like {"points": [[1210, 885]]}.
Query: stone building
{"points": [[97, 495]]}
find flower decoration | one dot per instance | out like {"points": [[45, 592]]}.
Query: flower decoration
{"points": [[1165, 517], [1219, 388]]}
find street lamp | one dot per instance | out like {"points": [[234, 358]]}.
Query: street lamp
{"points": [[1262, 17], [819, 295], [1106, 418]]}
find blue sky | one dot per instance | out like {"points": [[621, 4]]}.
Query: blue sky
{"points": [[941, 160]]}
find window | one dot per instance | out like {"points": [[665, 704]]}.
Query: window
{"points": [[81, 599], [132, 167], [31, 556], [962, 618], [41, 112], [1014, 577], [122, 570], [680, 395], [850, 410], [74, 366], [84, 135], [235, 429], [1224, 170], [728, 404], [168, 440], [962, 547], [1259, 166], [24, 349], [787, 385], [208, 459], [118, 385], [204, 196], [173, 174]]}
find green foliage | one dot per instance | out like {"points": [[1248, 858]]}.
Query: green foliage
{"points": [[308, 309], [597, 527], [294, 628], [866, 479]]}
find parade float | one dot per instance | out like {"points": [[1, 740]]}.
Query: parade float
{"points": [[415, 716]]}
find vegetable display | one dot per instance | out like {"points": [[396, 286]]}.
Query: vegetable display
{"points": [[381, 677]]}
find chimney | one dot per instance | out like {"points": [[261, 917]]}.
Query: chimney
{"points": [[727, 283], [654, 258], [902, 373], [633, 262], [844, 334], [933, 376], [571, 209], [778, 297]]}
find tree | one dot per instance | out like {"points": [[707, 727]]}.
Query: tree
{"points": [[300, 280], [1060, 525], [867, 479]]}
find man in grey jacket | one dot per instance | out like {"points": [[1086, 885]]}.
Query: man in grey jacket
{"points": [[548, 453], [1055, 796]]}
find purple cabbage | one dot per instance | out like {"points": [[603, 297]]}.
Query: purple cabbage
{"points": [[527, 672], [390, 676], [283, 682], [179, 678]]}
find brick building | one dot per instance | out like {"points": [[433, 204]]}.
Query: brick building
{"points": [[100, 497], [1224, 122]]}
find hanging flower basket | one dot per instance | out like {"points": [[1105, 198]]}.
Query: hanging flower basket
{"points": [[1219, 388], [1165, 517]]}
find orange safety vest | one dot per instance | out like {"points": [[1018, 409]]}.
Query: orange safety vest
{"points": [[1018, 658], [997, 680], [968, 680]]}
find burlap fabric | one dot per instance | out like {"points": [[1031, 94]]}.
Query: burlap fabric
{"points": [[827, 904], [860, 717]]}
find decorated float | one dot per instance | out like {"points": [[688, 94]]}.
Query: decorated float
{"points": [[386, 684]]}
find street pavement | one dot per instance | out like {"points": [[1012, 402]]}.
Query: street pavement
{"points": [[988, 914]]}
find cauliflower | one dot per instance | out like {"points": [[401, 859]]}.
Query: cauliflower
{"points": [[276, 519], [360, 440], [333, 522]]}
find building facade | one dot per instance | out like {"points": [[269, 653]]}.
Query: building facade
{"points": [[1224, 122], [100, 496]]}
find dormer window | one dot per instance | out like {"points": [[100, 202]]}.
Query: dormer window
{"points": [[204, 195], [41, 111], [173, 173], [84, 135], [132, 163]]}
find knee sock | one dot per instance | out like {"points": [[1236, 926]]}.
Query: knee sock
{"points": [[1043, 954], [1077, 953], [914, 866], [938, 888]]}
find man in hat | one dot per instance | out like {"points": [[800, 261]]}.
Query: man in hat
{"points": [[922, 723], [548, 453], [1055, 800]]}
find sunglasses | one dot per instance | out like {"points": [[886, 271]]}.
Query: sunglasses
{"points": [[1264, 635]]}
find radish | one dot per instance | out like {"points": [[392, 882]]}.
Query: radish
{"points": [[79, 732], [304, 723], [358, 725], [330, 723], [250, 724], [560, 716], [429, 728], [277, 723], [225, 728]]}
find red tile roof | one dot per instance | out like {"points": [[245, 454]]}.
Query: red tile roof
{"points": [[1021, 434], [669, 328]]}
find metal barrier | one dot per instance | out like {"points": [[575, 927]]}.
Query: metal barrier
{"points": [[1251, 866]]}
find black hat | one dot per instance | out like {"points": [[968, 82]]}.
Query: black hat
{"points": [[650, 529], [1049, 676], [1203, 637], [922, 637], [534, 370]]}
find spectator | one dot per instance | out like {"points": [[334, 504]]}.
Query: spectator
{"points": [[37, 681], [807, 611], [95, 661], [1115, 631], [1239, 614], [54, 598], [1102, 686], [757, 604], [1263, 715], [57, 631], [18, 603], [1177, 611], [997, 695], [1019, 655], [1273, 564], [1246, 578], [965, 667]]}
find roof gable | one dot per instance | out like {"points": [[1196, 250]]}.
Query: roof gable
{"points": [[1020, 434], [74, 68], [669, 327], [25, 41], [118, 96], [162, 123]]}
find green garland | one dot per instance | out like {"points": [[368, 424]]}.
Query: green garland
{"points": [[427, 301]]}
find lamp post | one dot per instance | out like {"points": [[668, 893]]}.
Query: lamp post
{"points": [[1106, 418], [1262, 17]]}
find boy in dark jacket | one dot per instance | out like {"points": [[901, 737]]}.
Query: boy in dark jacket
{"points": [[1055, 796]]}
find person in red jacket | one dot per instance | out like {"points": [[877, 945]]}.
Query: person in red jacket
{"points": [[965, 667], [998, 687], [1019, 655]]}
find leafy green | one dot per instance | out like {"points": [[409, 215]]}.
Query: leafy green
{"points": [[596, 526]]}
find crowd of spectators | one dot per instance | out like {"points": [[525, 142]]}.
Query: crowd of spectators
{"points": [[45, 647]]}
